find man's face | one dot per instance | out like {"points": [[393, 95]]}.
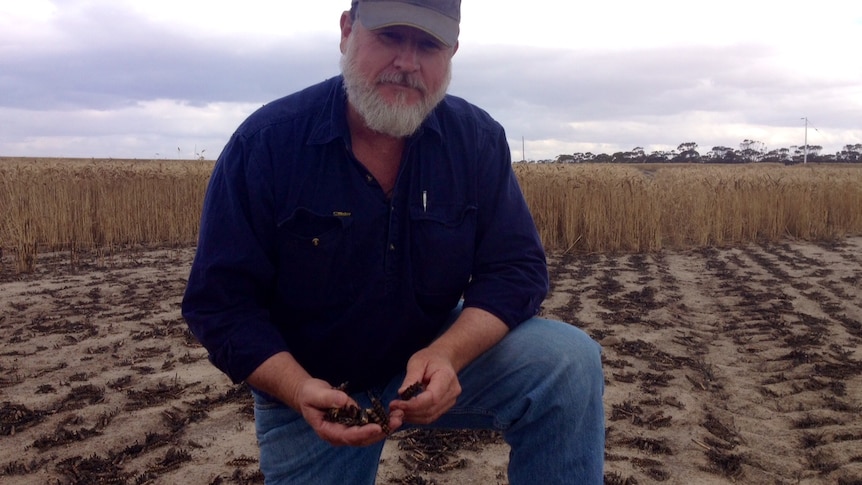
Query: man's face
{"points": [[394, 76]]}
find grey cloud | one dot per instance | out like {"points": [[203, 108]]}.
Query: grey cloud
{"points": [[109, 59], [539, 92], [113, 60], [607, 85]]}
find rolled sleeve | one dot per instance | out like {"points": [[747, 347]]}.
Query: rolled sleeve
{"points": [[510, 277]]}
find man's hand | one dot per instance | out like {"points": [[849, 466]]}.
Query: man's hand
{"points": [[282, 377], [315, 397], [437, 365], [435, 371]]}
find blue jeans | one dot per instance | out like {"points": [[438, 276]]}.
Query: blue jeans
{"points": [[541, 386]]}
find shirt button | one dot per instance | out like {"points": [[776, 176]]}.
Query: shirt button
{"points": [[369, 178], [392, 247]]}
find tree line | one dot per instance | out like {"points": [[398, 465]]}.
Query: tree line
{"points": [[749, 151]]}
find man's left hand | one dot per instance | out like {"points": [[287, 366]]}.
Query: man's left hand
{"points": [[440, 380]]}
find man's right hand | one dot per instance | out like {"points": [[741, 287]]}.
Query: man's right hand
{"points": [[282, 377], [315, 397]]}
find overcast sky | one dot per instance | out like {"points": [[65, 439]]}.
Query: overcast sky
{"points": [[167, 79]]}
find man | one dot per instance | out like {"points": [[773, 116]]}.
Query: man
{"points": [[369, 230]]}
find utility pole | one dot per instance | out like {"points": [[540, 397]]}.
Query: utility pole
{"points": [[805, 156], [523, 150]]}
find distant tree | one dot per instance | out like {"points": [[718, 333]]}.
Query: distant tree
{"points": [[752, 150], [781, 155], [721, 154], [687, 146], [687, 153], [636, 155], [813, 156], [798, 153], [583, 157], [828, 158], [658, 156], [749, 151], [603, 158], [850, 154]]}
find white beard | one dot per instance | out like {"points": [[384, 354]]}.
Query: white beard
{"points": [[398, 119]]}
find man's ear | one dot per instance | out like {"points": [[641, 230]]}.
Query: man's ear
{"points": [[346, 28]]}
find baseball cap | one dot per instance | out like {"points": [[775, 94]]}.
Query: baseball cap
{"points": [[440, 18]]}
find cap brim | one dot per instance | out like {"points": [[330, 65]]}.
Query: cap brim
{"points": [[376, 15]]}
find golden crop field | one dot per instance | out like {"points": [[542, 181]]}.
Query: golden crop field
{"points": [[643, 208], [102, 205], [79, 205]]}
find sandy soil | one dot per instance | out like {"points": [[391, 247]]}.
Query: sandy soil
{"points": [[722, 366]]}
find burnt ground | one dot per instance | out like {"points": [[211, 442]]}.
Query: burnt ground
{"points": [[733, 365]]}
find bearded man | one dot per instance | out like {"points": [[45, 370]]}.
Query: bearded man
{"points": [[369, 231]]}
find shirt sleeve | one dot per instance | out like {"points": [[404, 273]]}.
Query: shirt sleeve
{"points": [[510, 277], [232, 277]]}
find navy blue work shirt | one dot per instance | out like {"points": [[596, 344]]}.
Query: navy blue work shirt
{"points": [[300, 250]]}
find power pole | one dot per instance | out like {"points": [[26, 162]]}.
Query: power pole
{"points": [[805, 156]]}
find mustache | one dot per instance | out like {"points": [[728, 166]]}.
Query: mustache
{"points": [[403, 79]]}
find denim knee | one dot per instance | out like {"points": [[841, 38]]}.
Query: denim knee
{"points": [[560, 346]]}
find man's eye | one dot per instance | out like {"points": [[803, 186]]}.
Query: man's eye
{"points": [[430, 45], [389, 37]]}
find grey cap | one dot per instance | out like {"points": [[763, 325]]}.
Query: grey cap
{"points": [[440, 18]]}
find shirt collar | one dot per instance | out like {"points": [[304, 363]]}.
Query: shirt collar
{"points": [[332, 121]]}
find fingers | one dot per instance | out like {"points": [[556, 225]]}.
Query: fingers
{"points": [[316, 394], [342, 435], [344, 431], [430, 388], [348, 424], [328, 410], [427, 406], [317, 398]]}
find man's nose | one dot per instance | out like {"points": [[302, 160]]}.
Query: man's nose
{"points": [[407, 57]]}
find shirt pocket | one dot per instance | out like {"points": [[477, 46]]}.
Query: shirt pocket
{"points": [[313, 254], [442, 244]]}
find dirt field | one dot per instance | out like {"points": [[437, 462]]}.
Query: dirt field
{"points": [[722, 366]]}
